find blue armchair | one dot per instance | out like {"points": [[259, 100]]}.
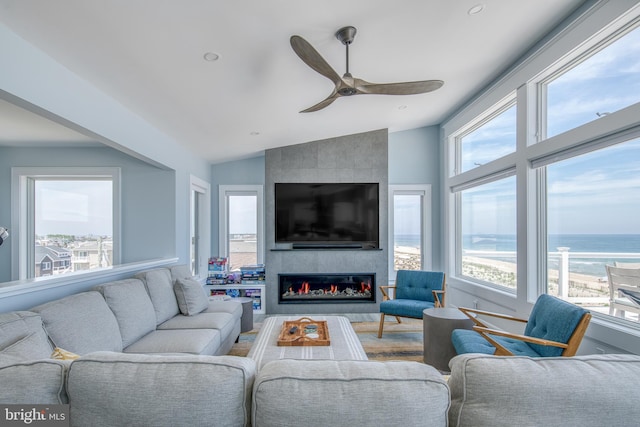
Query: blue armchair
{"points": [[415, 291], [554, 328]]}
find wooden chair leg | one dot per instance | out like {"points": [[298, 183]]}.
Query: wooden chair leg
{"points": [[381, 325], [398, 319]]}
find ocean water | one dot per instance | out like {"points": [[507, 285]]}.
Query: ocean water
{"points": [[607, 244]]}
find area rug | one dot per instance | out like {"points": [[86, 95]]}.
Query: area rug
{"points": [[400, 341]]}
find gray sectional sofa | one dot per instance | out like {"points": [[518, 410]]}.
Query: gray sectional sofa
{"points": [[143, 362], [141, 315]]}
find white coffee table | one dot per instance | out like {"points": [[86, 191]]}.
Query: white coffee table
{"points": [[345, 344]]}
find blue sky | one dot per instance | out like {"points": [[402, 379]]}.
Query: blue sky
{"points": [[74, 207]]}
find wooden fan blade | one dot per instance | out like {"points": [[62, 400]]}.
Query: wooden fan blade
{"points": [[312, 58], [324, 103], [405, 88]]}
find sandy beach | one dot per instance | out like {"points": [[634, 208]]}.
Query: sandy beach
{"points": [[581, 286]]}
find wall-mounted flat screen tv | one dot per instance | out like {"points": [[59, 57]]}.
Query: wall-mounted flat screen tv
{"points": [[318, 214]]}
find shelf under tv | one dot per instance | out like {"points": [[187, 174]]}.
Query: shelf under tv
{"points": [[325, 247]]}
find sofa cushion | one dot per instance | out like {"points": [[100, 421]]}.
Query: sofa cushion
{"points": [[231, 306], [191, 296], [349, 393], [180, 272], [405, 307], [22, 335], [466, 341], [160, 288], [26, 348], [192, 341], [223, 322], [34, 382], [81, 323], [595, 390], [130, 303], [138, 390]]}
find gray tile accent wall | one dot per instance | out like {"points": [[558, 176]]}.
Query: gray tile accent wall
{"points": [[354, 158]]}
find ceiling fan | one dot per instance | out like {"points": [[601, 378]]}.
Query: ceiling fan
{"points": [[348, 85]]}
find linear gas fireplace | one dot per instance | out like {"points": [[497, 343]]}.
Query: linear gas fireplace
{"points": [[304, 288]]}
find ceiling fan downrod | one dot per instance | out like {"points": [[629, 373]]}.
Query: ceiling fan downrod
{"points": [[346, 36]]}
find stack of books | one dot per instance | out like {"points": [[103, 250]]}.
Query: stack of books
{"points": [[217, 271], [252, 274]]}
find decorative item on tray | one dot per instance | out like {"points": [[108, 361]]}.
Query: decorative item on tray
{"points": [[304, 332]]}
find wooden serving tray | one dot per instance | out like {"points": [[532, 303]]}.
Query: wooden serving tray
{"points": [[300, 337]]}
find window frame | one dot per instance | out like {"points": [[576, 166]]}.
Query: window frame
{"points": [[224, 191], [424, 190], [199, 224], [22, 218]]}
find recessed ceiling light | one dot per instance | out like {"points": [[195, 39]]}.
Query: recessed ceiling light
{"points": [[211, 56], [402, 107], [476, 9], [254, 133]]}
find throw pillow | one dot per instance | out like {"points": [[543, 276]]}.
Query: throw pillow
{"points": [[191, 296], [62, 354]]}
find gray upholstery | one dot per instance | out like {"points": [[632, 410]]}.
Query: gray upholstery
{"points": [[348, 393], [595, 390], [22, 336], [191, 296], [180, 271], [160, 288], [34, 382], [81, 323], [220, 321], [26, 348], [111, 389], [230, 306], [130, 303], [193, 341]]}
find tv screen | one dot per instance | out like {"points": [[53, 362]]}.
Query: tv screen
{"points": [[327, 213]]}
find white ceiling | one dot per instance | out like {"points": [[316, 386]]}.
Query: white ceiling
{"points": [[148, 54]]}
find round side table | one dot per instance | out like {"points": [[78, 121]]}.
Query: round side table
{"points": [[438, 323], [246, 322]]}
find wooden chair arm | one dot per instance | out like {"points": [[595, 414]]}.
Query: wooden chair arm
{"points": [[483, 331], [385, 296], [467, 311], [436, 297]]}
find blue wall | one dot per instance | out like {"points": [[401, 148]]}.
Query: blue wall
{"points": [[414, 158]]}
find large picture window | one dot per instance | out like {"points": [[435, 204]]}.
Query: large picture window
{"points": [[67, 220], [568, 212], [593, 202]]}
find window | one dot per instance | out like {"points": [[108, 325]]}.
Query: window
{"points": [[241, 229], [593, 202], [487, 238], [492, 139], [410, 227], [599, 85], [67, 220]]}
